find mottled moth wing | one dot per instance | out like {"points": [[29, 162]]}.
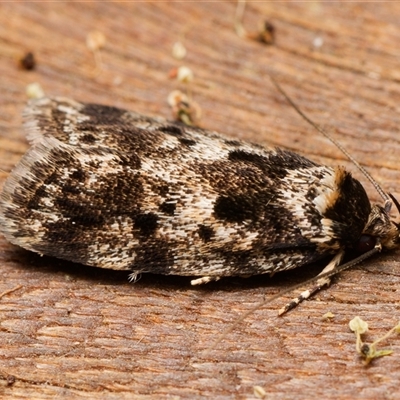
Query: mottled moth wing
{"points": [[114, 189]]}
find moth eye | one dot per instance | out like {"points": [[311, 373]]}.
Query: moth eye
{"points": [[365, 243]]}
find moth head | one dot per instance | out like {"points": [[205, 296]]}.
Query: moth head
{"points": [[395, 223], [381, 227]]}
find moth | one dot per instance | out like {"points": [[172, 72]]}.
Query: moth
{"points": [[110, 188]]}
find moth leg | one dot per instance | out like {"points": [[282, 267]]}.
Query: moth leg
{"points": [[319, 284], [204, 279], [134, 276]]}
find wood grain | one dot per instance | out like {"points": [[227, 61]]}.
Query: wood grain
{"points": [[78, 332]]}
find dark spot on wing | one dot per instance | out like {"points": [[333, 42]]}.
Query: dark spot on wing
{"points": [[79, 175], [102, 115], [205, 233], [168, 208], [187, 142], [173, 130], [235, 208], [87, 138], [275, 165], [147, 223]]}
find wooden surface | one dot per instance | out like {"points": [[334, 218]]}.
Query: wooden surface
{"points": [[78, 332]]}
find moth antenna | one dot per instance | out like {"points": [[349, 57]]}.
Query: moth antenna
{"points": [[375, 184], [352, 263]]}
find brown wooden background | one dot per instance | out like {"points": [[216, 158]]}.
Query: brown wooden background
{"points": [[78, 332]]}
